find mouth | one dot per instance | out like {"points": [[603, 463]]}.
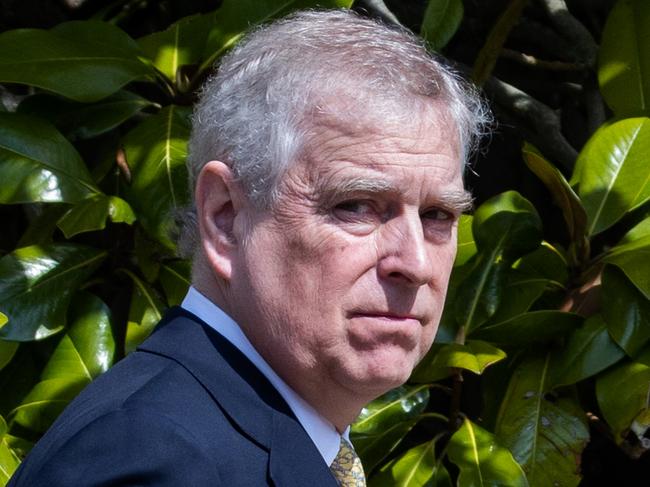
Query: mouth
{"points": [[388, 316]]}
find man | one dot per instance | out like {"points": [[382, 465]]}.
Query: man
{"points": [[326, 160]]}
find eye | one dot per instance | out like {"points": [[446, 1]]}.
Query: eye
{"points": [[355, 210], [438, 215]]}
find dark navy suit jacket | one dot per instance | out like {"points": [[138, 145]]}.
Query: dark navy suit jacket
{"points": [[185, 409]]}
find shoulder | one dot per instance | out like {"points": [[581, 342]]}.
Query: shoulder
{"points": [[123, 447]]}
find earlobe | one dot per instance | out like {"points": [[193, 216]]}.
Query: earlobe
{"points": [[218, 200]]}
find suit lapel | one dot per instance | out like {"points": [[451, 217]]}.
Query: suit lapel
{"points": [[244, 394], [290, 463]]}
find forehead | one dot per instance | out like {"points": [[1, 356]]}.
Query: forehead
{"points": [[403, 152]]}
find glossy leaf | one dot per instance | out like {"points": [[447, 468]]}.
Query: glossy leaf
{"points": [[638, 235], [588, 351], [36, 285], [235, 17], [633, 259], [481, 460], [81, 60], [399, 404], [418, 467], [175, 280], [45, 402], [505, 227], [7, 349], [466, 247], [474, 356], [626, 311], [622, 393], [91, 214], [563, 195], [385, 421], [612, 173], [38, 164], [181, 44], [82, 120], [624, 58], [545, 436], [441, 21], [144, 313], [84, 352], [546, 262], [530, 328], [374, 449], [155, 152], [8, 460], [520, 292]]}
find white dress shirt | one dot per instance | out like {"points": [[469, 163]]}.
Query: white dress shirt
{"points": [[322, 432]]}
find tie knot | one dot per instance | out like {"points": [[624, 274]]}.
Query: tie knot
{"points": [[347, 468]]}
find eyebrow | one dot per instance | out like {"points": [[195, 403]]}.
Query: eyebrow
{"points": [[457, 201]]}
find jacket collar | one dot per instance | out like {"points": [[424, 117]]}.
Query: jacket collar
{"points": [[244, 394]]}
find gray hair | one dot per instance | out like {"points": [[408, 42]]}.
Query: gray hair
{"points": [[254, 114]]}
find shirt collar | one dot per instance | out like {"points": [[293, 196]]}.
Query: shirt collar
{"points": [[321, 431]]}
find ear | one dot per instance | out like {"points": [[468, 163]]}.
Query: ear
{"points": [[218, 200]]}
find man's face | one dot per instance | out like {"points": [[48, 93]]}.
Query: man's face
{"points": [[341, 285]]}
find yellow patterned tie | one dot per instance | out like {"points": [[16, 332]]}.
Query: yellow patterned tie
{"points": [[347, 467]]}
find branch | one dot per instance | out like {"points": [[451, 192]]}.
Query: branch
{"points": [[377, 8], [584, 45], [537, 122], [532, 61]]}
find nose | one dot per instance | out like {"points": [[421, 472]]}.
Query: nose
{"points": [[404, 253]]}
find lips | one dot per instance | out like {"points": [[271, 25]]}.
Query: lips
{"points": [[387, 315]]}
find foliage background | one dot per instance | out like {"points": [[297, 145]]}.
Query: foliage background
{"points": [[540, 374]]}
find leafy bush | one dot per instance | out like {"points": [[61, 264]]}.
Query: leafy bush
{"points": [[544, 344]]}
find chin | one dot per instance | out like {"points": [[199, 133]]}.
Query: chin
{"points": [[378, 377]]}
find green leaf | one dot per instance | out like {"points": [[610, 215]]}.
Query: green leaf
{"points": [[156, 151], [633, 258], [45, 402], [519, 294], [505, 227], [81, 60], [385, 421], [491, 50], [546, 262], [622, 393], [8, 460], [38, 164], [563, 195], [626, 311], [474, 356], [624, 58], [144, 313], [530, 328], [399, 404], [84, 352], [7, 349], [612, 172], [588, 351], [88, 348], [235, 17], [91, 214], [466, 248], [545, 436], [483, 462], [441, 21], [36, 285], [181, 44], [639, 234], [415, 468], [81, 120], [175, 280]]}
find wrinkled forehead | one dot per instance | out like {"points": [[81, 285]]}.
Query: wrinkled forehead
{"points": [[425, 124]]}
